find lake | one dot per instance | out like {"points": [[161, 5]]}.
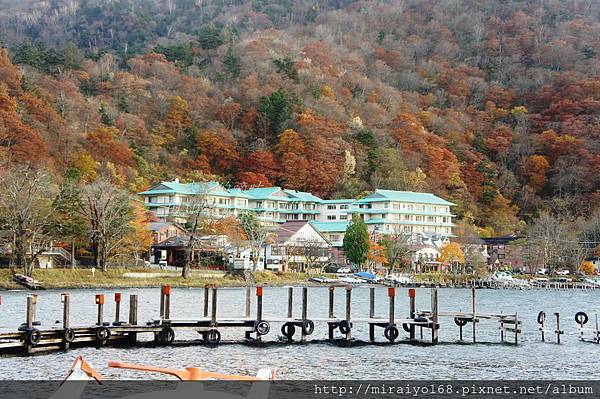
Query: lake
{"points": [[321, 359]]}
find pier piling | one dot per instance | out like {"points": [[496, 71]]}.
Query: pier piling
{"points": [[412, 293], [349, 312], [100, 304], [206, 294], [117, 308], [304, 312]]}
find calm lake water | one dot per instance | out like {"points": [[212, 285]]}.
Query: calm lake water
{"points": [[321, 359]]}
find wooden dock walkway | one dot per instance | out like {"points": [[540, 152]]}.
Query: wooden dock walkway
{"points": [[31, 338]]}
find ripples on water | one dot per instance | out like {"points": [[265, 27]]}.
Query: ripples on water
{"points": [[324, 360]]}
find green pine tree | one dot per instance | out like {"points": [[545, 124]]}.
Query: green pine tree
{"points": [[356, 241]]}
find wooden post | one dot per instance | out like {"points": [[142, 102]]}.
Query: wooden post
{"points": [[474, 322], [133, 305], [543, 328], [206, 293], [100, 303], [30, 315], [349, 310], [392, 296], [502, 327], [371, 302], [290, 312], [259, 303], [117, 306], [65, 298], [516, 329], [248, 301], [331, 300], [558, 332], [213, 313], [304, 310], [330, 314], [434, 315], [412, 309], [166, 294], [162, 302], [597, 332], [133, 308]]}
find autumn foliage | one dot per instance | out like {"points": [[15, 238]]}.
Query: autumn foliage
{"points": [[493, 107]]}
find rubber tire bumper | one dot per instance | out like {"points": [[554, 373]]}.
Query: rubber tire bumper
{"points": [[34, 336], [581, 318], [102, 335], [391, 333], [541, 316], [288, 330], [213, 337], [68, 335], [345, 327], [308, 327], [262, 327]]}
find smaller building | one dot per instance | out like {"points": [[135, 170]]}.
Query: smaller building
{"points": [[425, 258], [163, 230], [299, 246]]}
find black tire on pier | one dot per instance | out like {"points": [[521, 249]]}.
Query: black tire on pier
{"points": [[308, 327], [391, 333], [345, 327], [460, 321], [288, 330], [541, 316], [213, 336], [262, 328], [34, 336], [102, 335], [167, 336], [581, 318], [406, 327], [69, 335]]}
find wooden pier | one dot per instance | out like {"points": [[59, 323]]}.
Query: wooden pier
{"points": [[31, 338]]}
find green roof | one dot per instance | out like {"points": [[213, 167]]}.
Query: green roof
{"points": [[262, 192], [404, 196], [302, 195], [330, 227], [171, 187], [337, 201]]}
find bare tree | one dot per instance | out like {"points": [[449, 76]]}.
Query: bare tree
{"points": [[397, 249], [257, 235], [197, 210], [312, 252], [108, 212], [26, 210]]}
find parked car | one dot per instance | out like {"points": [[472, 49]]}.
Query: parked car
{"points": [[344, 270], [541, 271], [562, 272], [331, 268]]}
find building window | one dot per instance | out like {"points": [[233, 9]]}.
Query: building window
{"points": [[343, 217], [331, 207], [331, 217], [343, 206]]}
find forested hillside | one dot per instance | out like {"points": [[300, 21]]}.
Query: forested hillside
{"points": [[494, 105]]}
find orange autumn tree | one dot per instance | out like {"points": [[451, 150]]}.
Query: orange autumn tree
{"points": [[452, 254], [218, 149], [139, 239], [534, 170], [376, 255]]}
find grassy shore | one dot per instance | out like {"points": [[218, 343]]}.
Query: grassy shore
{"points": [[83, 278]]}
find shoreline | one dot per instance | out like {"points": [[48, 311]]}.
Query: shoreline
{"points": [[142, 278]]}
